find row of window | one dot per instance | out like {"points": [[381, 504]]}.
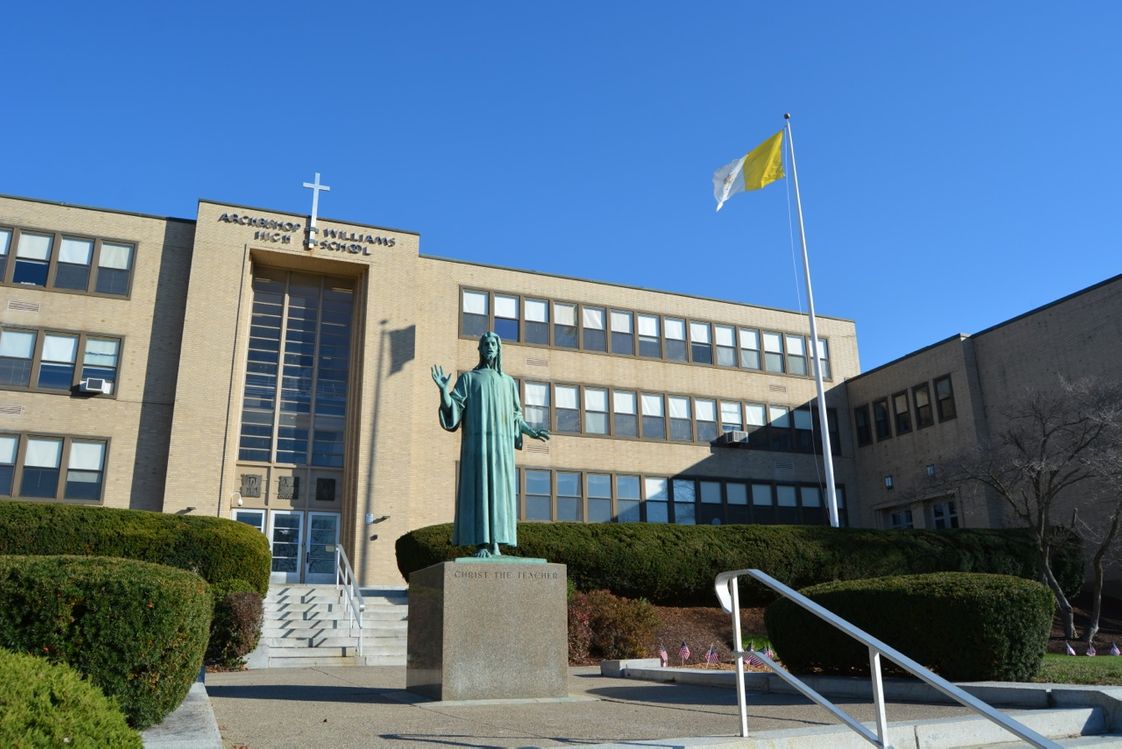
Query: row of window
{"points": [[615, 412], [36, 466], [55, 260], [569, 325], [594, 497], [55, 361], [903, 414], [941, 515]]}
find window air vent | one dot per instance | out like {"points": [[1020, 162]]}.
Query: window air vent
{"points": [[11, 410], [533, 361], [784, 465], [777, 388], [536, 448], [15, 304]]}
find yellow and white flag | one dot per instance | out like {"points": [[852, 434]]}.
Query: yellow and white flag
{"points": [[762, 166]]}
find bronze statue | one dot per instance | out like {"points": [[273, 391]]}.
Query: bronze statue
{"points": [[485, 403]]}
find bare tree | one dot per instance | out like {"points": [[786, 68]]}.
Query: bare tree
{"points": [[1044, 446]]}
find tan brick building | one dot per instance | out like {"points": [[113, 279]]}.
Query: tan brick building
{"points": [[912, 414], [218, 366]]}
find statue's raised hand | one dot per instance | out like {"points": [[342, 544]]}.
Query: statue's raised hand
{"points": [[540, 434], [440, 378]]}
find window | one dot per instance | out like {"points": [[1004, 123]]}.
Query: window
{"points": [[761, 495], [100, 359], [656, 494], [624, 421], [56, 364], [824, 358], [599, 497], [681, 428], [749, 348], [944, 398], [564, 325], [755, 419], [811, 496], [649, 343], [5, 243], [114, 267], [16, 350], [725, 337], [40, 467], [84, 470], [779, 421], [804, 430], [568, 409], [730, 417], [685, 498], [569, 502], [701, 350], [921, 393], [536, 313], [900, 519], [535, 406], [773, 352], [654, 423], [736, 492], [901, 413], [944, 515], [9, 447], [623, 340], [786, 496], [880, 420], [506, 317], [796, 355], [592, 329], [706, 412], [627, 499], [675, 332], [864, 429], [595, 411], [537, 494], [74, 257], [474, 313], [33, 259]]}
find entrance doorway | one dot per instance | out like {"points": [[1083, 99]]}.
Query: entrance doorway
{"points": [[303, 543]]}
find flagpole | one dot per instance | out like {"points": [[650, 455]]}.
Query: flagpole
{"points": [[823, 421]]}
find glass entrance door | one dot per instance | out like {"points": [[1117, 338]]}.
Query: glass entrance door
{"points": [[285, 537], [323, 535]]}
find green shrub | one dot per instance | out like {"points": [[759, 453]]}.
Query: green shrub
{"points": [[48, 705], [613, 627], [676, 564], [963, 626], [235, 627], [134, 629], [217, 549]]}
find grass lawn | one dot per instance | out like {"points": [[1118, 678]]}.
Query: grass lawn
{"points": [[1080, 669]]}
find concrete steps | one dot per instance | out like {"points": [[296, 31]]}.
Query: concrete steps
{"points": [[306, 625]]}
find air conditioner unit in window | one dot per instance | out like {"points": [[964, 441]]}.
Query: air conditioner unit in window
{"points": [[731, 439], [96, 385]]}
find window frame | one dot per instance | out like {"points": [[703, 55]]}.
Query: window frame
{"points": [[36, 361], [939, 402], [901, 421], [23, 437]]}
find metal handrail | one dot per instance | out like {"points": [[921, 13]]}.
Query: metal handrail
{"points": [[728, 591], [346, 586]]}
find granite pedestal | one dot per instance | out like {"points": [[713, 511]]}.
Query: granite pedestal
{"points": [[481, 630]]}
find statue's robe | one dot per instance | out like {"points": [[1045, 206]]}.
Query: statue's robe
{"points": [[487, 410]]}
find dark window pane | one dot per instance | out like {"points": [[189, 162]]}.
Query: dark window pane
{"points": [[623, 343], [565, 336], [626, 425], [537, 332], [69, 276], [7, 472], [649, 347], [56, 376], [39, 482], [15, 371], [83, 485], [112, 281], [507, 329], [474, 325], [568, 420], [654, 428], [594, 340], [706, 431], [702, 353], [680, 430], [30, 272]]}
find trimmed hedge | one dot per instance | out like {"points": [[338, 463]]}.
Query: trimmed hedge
{"points": [[607, 626], [217, 549], [963, 626], [235, 627], [44, 704], [676, 564], [134, 629]]}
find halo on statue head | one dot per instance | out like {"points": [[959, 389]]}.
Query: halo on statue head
{"points": [[498, 366]]}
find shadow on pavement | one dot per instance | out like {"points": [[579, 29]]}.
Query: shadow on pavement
{"points": [[315, 693]]}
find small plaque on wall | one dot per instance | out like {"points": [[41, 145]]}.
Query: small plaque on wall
{"points": [[251, 485], [288, 487], [325, 490]]}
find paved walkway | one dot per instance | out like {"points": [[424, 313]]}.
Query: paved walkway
{"points": [[334, 708]]}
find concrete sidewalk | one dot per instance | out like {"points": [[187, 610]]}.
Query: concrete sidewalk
{"points": [[369, 707]]}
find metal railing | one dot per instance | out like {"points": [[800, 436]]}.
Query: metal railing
{"points": [[346, 586], [728, 591]]}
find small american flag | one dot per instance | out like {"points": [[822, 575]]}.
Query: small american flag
{"points": [[1114, 649], [663, 656], [684, 652], [711, 656], [1070, 649], [1091, 649], [752, 658]]}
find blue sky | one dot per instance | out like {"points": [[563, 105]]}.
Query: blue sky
{"points": [[959, 162]]}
